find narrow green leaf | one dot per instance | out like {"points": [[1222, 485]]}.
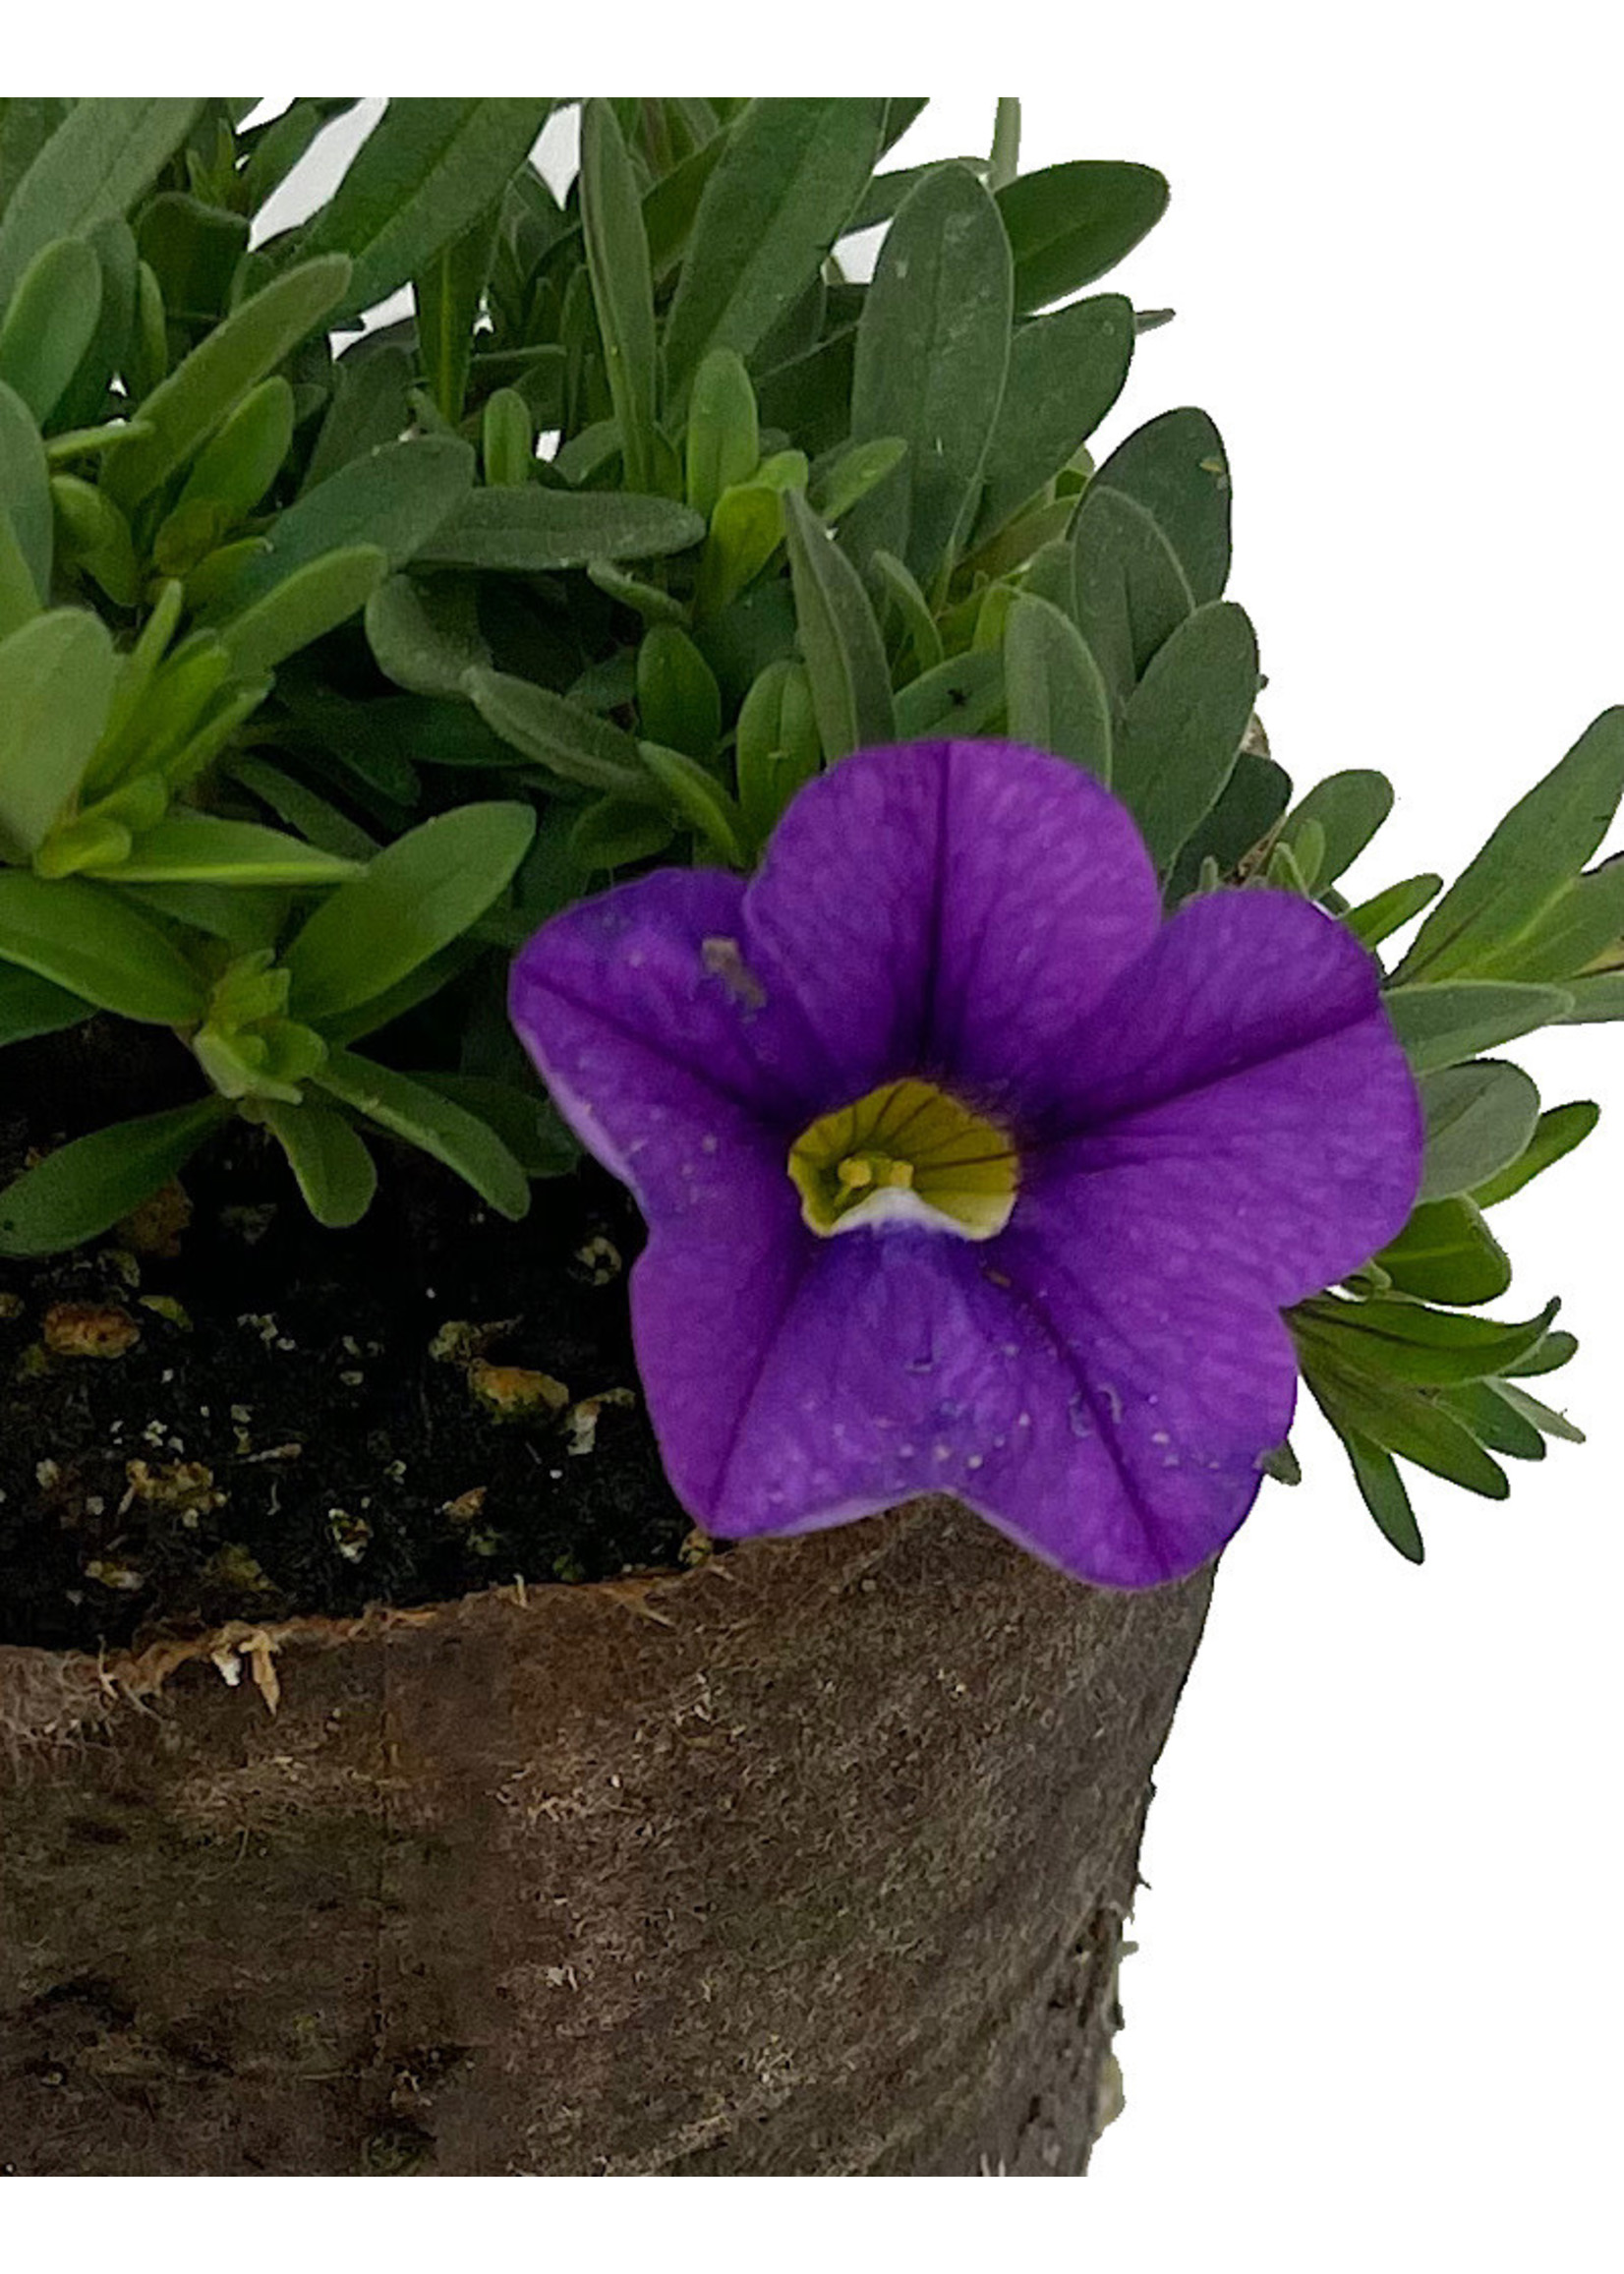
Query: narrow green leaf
{"points": [[622, 289], [233, 472], [1554, 1351], [552, 731], [965, 696], [1596, 997], [185, 409], [83, 1189], [1068, 224], [1386, 913], [367, 408], [1250, 804], [897, 586], [304, 809], [679, 701], [104, 154], [724, 439], [56, 682], [1528, 860], [1065, 371], [1443, 1025], [30, 1006], [51, 323], [302, 606], [1181, 729], [531, 530], [1132, 593], [435, 1124], [526, 1120], [1409, 1424], [202, 848], [1555, 1134], [425, 632], [394, 498], [335, 1172], [1486, 1410], [613, 833], [1349, 807], [1447, 1253], [419, 894], [840, 639], [933, 347], [781, 194], [1543, 1418], [699, 799], [776, 749], [1382, 1490], [1479, 1118], [447, 293], [25, 508], [1055, 698], [1585, 920], [85, 938], [1407, 1342], [425, 174]]}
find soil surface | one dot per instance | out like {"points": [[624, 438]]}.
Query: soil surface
{"points": [[222, 1411]]}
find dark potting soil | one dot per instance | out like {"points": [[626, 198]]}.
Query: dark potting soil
{"points": [[221, 1411]]}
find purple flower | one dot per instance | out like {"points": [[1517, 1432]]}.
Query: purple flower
{"points": [[963, 1171]]}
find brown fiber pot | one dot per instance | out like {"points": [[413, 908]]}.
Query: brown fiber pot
{"points": [[813, 1859]]}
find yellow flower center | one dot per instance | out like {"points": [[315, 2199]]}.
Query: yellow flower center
{"points": [[908, 1152]]}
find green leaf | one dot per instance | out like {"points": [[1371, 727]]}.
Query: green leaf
{"points": [[26, 124], [28, 534], [193, 250], [1181, 729], [776, 749], [746, 531], [30, 1006], [56, 682], [1486, 1410], [552, 731], [1406, 1342], [51, 323], [1409, 1423], [302, 606], [1382, 1490], [335, 1172], [1479, 1119], [840, 645], [531, 530], [622, 289], [616, 833], [447, 292], [1250, 804], [87, 939], [781, 194], [84, 404], [965, 696], [1068, 224], [1447, 1253], [1386, 912], [1349, 807], [1585, 920], [233, 472], [1054, 697], [304, 809], [83, 1189], [1175, 468], [1555, 1134], [1442, 1025], [724, 439], [200, 393], [1132, 593], [368, 408], [699, 799], [1547, 1356], [679, 701], [425, 633], [425, 174], [1528, 862], [1543, 1418], [933, 347], [394, 498], [526, 1120], [419, 894], [105, 152], [1065, 371], [435, 1124], [1596, 997], [202, 848]]}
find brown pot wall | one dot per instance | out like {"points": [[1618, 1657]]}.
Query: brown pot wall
{"points": [[811, 1861]]}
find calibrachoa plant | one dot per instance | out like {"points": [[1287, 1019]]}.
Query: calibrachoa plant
{"points": [[1015, 1093]]}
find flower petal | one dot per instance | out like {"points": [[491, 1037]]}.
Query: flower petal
{"points": [[950, 907], [897, 1362], [674, 1062]]}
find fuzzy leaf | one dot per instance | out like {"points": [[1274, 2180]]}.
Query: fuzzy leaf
{"points": [[1065, 371], [1479, 1118], [1443, 1025], [82, 1188], [840, 640], [1555, 1134], [1068, 224], [533, 529], [104, 154], [1182, 729], [1055, 698]]}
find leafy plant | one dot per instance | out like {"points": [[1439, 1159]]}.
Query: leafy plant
{"points": [[335, 657]]}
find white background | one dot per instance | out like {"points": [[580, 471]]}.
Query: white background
{"points": [[1374, 2016]]}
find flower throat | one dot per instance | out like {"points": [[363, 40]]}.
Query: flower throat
{"points": [[906, 1152]]}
